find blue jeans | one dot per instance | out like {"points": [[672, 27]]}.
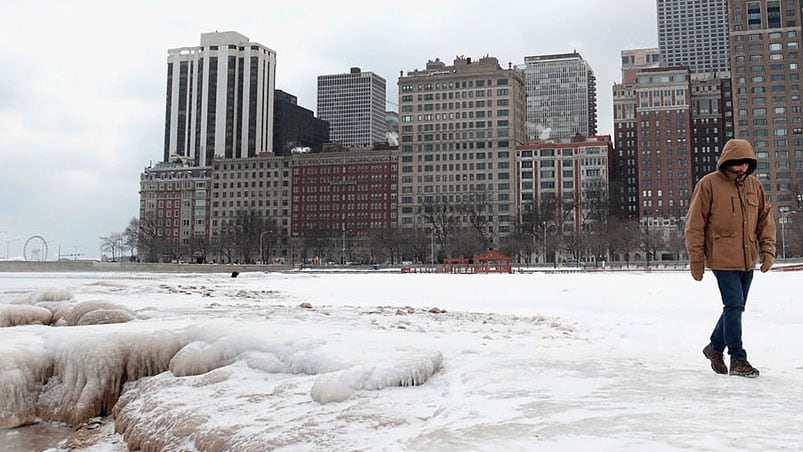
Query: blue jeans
{"points": [[733, 286]]}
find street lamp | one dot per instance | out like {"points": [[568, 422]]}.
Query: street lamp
{"points": [[261, 250], [783, 221]]}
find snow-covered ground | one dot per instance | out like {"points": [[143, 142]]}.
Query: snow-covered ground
{"points": [[389, 361]]}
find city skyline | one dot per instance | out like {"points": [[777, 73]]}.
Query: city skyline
{"points": [[82, 95]]}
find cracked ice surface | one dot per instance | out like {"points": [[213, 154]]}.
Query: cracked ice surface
{"points": [[516, 362]]}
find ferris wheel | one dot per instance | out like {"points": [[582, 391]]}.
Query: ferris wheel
{"points": [[35, 249]]}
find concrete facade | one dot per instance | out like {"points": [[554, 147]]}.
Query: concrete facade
{"points": [[219, 99], [459, 126], [765, 39], [561, 97], [354, 105]]}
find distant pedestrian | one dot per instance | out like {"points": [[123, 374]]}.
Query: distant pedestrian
{"points": [[729, 223]]}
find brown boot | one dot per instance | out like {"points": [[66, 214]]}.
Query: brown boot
{"points": [[742, 368], [717, 362]]}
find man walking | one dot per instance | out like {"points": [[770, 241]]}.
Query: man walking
{"points": [[728, 224]]}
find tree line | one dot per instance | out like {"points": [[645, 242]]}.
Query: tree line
{"points": [[545, 235]]}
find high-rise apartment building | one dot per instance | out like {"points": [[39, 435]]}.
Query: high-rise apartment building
{"points": [[296, 127], [219, 99], [174, 211], [694, 33], [663, 138], [459, 126], [624, 186], [765, 38], [354, 105], [624, 182], [561, 97], [564, 185], [710, 116], [634, 60]]}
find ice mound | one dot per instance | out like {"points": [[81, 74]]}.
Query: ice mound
{"points": [[50, 294], [18, 314], [94, 313], [90, 370], [64, 374], [167, 413], [411, 369], [300, 356], [24, 364]]}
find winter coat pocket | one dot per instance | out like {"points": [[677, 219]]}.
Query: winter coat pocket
{"points": [[727, 250]]}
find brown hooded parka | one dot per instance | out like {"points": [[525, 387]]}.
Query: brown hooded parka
{"points": [[730, 220]]}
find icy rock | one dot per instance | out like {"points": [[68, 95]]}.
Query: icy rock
{"points": [[17, 314], [106, 316], [73, 316], [411, 370], [24, 364], [88, 370], [51, 294]]}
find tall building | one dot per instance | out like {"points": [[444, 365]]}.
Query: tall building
{"points": [[624, 185], [710, 115], [663, 140], [564, 184], [694, 33], [219, 99], [624, 182], [561, 97], [296, 127], [765, 38], [459, 126], [634, 60], [354, 106]]}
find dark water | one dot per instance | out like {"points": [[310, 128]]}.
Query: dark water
{"points": [[36, 437]]}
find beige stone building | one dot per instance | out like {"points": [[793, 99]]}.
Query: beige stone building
{"points": [[458, 130], [258, 184]]}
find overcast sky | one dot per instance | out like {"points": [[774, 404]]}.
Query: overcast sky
{"points": [[82, 83]]}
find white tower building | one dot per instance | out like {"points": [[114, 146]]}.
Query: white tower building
{"points": [[219, 99]]}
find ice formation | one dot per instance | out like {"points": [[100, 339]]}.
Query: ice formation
{"points": [[19, 314], [160, 413], [411, 369], [96, 312], [73, 374]]}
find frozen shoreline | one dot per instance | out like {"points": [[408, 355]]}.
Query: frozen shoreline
{"points": [[530, 361]]}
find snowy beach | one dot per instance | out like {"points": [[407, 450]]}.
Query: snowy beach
{"points": [[389, 361]]}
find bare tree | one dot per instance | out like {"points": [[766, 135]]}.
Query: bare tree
{"points": [[112, 243], [131, 237], [651, 242], [467, 242], [443, 217], [385, 244], [622, 237], [477, 207], [148, 239], [417, 246]]}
